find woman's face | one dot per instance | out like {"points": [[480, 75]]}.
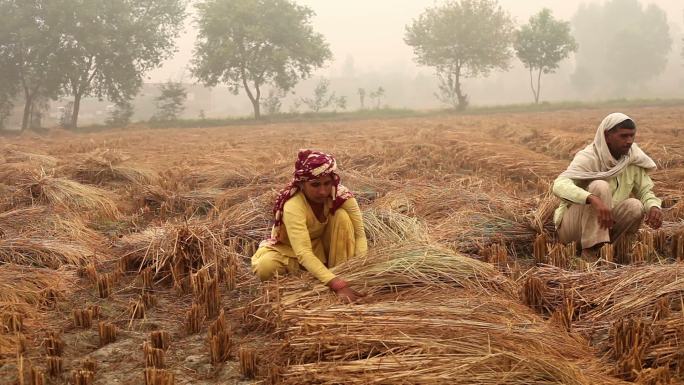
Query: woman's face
{"points": [[318, 190]]}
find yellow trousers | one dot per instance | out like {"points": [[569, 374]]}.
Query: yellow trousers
{"points": [[335, 246]]}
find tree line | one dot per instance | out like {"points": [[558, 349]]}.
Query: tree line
{"points": [[104, 48]]}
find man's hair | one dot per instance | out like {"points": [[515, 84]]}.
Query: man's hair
{"points": [[627, 124]]}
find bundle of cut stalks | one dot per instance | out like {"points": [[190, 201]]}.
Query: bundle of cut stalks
{"points": [[47, 223], [103, 166], [601, 300], [481, 154], [471, 213], [67, 194], [367, 187], [236, 174], [468, 231], [388, 270], [23, 292], [39, 236], [391, 227], [23, 287], [34, 250], [541, 217], [430, 317], [167, 202], [246, 224], [238, 195], [174, 251], [18, 156]]}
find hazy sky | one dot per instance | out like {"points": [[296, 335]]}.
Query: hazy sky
{"points": [[371, 31]]}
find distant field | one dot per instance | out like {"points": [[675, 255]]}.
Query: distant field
{"points": [[143, 230]]}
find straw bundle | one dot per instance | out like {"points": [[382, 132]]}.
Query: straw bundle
{"points": [[541, 217], [67, 194], [24, 288], [234, 196], [604, 300], [391, 227], [48, 223], [174, 251], [559, 145], [18, 156], [419, 337], [470, 214], [235, 174], [104, 166], [388, 270], [168, 202], [37, 251], [246, 224]]}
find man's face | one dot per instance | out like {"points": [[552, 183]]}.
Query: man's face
{"points": [[619, 141], [318, 190]]}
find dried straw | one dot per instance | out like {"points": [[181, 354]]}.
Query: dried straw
{"points": [[103, 166]]}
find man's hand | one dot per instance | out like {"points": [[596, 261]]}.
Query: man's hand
{"points": [[654, 218], [343, 291], [604, 214]]}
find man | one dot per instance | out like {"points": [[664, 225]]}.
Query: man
{"points": [[596, 188]]}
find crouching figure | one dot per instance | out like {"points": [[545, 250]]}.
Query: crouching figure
{"points": [[317, 225], [606, 190]]}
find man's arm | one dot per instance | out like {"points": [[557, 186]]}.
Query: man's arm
{"points": [[566, 189], [643, 190]]}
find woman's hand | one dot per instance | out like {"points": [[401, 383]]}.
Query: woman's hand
{"points": [[343, 291]]}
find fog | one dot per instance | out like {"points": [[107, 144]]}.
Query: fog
{"points": [[366, 39]]}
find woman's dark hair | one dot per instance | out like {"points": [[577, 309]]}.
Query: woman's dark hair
{"points": [[627, 123]]}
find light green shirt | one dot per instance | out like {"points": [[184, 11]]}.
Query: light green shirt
{"points": [[633, 180]]}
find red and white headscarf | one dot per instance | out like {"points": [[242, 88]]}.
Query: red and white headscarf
{"points": [[310, 165]]}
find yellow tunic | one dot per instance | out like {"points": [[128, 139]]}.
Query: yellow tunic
{"points": [[315, 245]]}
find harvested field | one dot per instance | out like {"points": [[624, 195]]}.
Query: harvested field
{"points": [[124, 255]]}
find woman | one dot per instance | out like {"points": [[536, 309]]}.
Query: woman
{"points": [[317, 225]]}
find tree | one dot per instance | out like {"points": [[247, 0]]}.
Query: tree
{"points": [[8, 90], [323, 99], [171, 102], [139, 35], [377, 95], [249, 44], [542, 44], [9, 85], [623, 45], [461, 39], [362, 98], [273, 101], [121, 115], [30, 37]]}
